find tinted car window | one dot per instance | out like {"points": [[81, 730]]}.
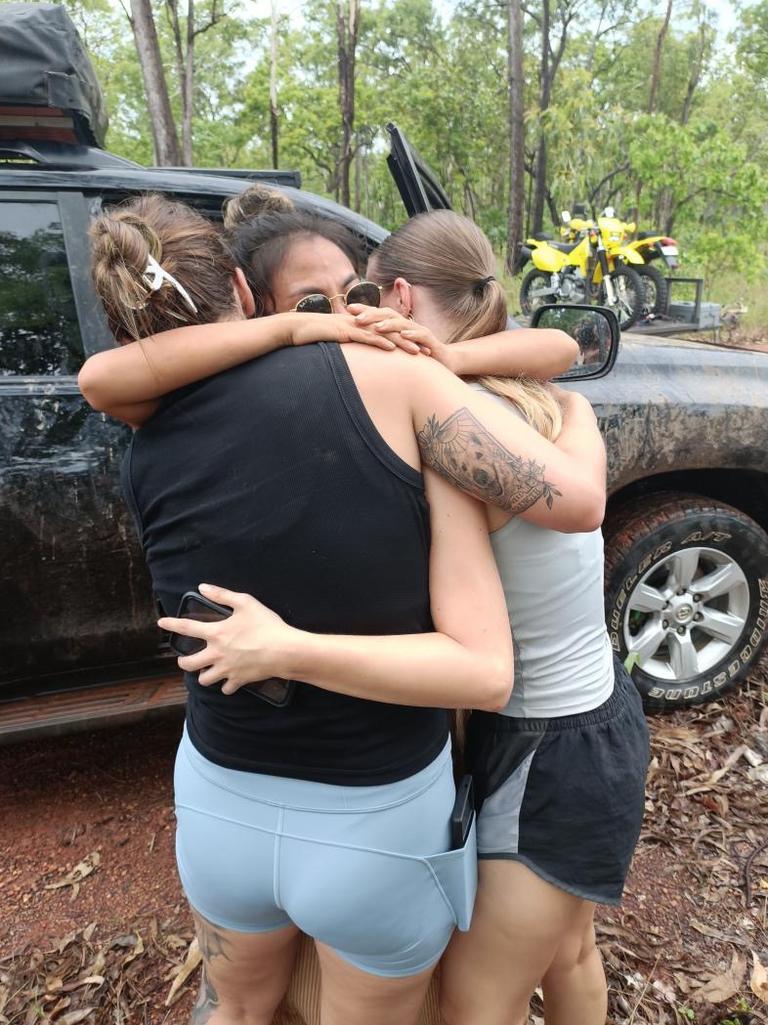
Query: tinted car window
{"points": [[39, 332]]}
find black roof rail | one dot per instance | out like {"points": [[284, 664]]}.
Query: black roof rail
{"points": [[66, 156], [58, 155], [288, 178]]}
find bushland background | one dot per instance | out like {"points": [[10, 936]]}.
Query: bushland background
{"points": [[522, 107]]}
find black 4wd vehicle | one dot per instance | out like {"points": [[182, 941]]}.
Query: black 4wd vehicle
{"points": [[686, 426]]}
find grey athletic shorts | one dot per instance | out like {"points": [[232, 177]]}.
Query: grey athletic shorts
{"points": [[365, 870], [564, 796]]}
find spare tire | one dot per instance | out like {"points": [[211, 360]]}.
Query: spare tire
{"points": [[687, 593]]}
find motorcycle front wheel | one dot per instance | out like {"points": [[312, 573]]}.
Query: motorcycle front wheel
{"points": [[534, 284], [629, 293]]}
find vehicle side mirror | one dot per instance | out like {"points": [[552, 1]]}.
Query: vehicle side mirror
{"points": [[596, 330], [566, 216]]}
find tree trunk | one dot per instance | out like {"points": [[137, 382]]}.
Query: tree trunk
{"points": [[273, 122], [545, 92], [656, 72], [164, 137], [347, 23], [695, 76], [184, 71], [187, 87], [664, 198], [358, 177], [516, 206]]}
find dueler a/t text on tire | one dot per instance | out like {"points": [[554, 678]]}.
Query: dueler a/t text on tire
{"points": [[687, 590]]}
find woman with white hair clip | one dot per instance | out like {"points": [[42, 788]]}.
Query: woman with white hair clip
{"points": [[297, 478]]}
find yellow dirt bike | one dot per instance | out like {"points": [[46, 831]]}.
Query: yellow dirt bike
{"points": [[638, 252], [580, 271]]}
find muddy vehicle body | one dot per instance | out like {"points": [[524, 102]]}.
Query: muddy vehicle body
{"points": [[686, 426]]}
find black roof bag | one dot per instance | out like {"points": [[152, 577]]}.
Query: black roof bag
{"points": [[43, 63]]}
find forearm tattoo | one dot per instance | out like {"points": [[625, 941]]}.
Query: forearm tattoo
{"points": [[469, 456]]}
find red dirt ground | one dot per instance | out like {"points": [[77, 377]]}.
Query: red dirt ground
{"points": [[110, 792]]}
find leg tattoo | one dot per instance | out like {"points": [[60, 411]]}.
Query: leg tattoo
{"points": [[213, 943], [211, 939], [207, 1002]]}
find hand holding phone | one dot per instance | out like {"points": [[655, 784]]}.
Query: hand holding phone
{"points": [[194, 606], [201, 610]]}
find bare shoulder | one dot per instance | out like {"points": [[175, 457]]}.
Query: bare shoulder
{"points": [[390, 362], [395, 370], [384, 382]]}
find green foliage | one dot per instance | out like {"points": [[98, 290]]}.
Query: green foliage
{"points": [[695, 167], [685, 1015]]}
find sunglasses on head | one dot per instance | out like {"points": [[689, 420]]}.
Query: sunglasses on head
{"points": [[364, 292]]}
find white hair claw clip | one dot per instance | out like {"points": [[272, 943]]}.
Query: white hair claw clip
{"points": [[154, 275]]}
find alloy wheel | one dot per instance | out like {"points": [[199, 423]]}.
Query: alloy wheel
{"points": [[686, 613]]}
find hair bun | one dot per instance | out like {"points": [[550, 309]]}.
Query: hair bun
{"points": [[157, 264], [255, 200], [126, 240], [148, 235]]}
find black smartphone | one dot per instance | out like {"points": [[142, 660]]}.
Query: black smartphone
{"points": [[274, 690], [194, 606], [463, 813]]}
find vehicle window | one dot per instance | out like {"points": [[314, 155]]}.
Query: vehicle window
{"points": [[39, 331], [209, 205]]}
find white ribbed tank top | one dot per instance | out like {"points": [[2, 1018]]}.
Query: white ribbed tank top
{"points": [[553, 584]]}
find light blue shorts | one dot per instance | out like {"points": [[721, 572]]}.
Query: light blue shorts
{"points": [[365, 870]]}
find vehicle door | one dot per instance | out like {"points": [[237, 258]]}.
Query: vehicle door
{"points": [[416, 182], [75, 596]]}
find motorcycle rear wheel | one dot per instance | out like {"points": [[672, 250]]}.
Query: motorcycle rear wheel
{"points": [[630, 295], [533, 282], [654, 290]]}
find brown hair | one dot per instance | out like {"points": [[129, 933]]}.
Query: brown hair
{"points": [[450, 255], [262, 244], [263, 224], [255, 200], [186, 245]]}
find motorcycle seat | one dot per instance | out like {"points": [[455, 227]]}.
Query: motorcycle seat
{"points": [[564, 247]]}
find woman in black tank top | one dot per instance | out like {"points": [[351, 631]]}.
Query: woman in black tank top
{"points": [[457, 672]]}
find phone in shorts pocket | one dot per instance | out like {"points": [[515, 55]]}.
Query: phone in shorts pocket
{"points": [[274, 690], [463, 813]]}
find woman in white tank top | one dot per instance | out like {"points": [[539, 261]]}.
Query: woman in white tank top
{"points": [[559, 773]]}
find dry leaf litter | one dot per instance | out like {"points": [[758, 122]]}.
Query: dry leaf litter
{"points": [[95, 929]]}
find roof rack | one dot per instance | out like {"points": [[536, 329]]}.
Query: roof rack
{"points": [[44, 64], [34, 154], [286, 178], [58, 156]]}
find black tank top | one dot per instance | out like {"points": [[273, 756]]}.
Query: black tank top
{"points": [[271, 479]]}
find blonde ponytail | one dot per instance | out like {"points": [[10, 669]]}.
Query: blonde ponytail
{"points": [[450, 255], [537, 405]]}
